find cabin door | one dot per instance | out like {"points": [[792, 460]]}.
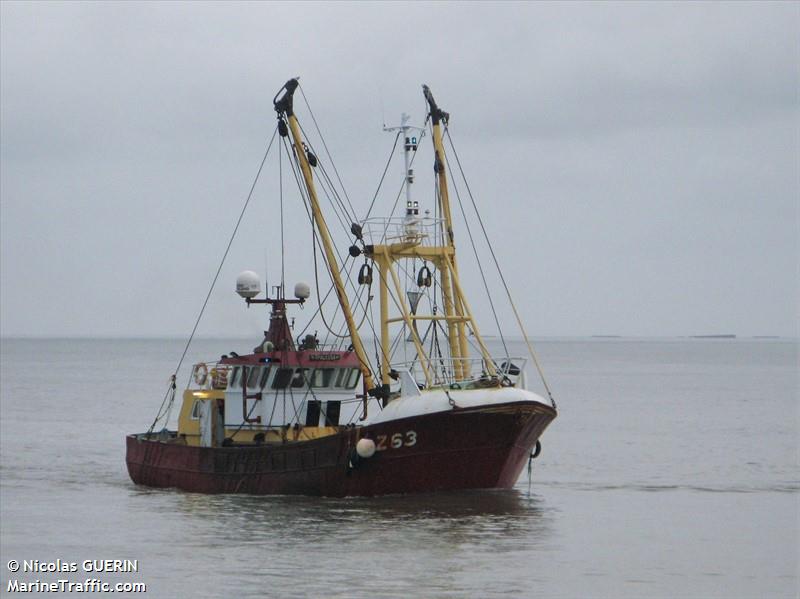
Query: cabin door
{"points": [[206, 423], [219, 423]]}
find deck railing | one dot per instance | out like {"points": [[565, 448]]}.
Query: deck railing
{"points": [[419, 230], [509, 370], [443, 371]]}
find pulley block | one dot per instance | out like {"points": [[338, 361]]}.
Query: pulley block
{"points": [[365, 275], [424, 277]]}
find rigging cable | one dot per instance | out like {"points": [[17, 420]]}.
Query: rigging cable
{"points": [[324, 182], [334, 193], [302, 93], [383, 176], [306, 203], [295, 167], [478, 260], [283, 246], [168, 410], [500, 272], [314, 242], [335, 199]]}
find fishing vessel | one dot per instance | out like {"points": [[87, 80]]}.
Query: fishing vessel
{"points": [[401, 395]]}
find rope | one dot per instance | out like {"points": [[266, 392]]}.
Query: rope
{"points": [[478, 260], [302, 93], [330, 194], [170, 389], [283, 246], [500, 272], [316, 283], [383, 176], [327, 294], [306, 203], [211, 288]]}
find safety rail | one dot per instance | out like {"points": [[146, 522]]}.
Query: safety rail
{"points": [[443, 371], [418, 230]]}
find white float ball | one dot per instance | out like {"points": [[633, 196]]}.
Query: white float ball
{"points": [[365, 448]]}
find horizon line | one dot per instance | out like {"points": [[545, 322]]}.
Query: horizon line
{"points": [[720, 337]]}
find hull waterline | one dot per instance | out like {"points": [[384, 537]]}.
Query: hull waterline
{"points": [[464, 448]]}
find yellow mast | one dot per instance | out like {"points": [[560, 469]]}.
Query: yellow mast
{"points": [[451, 283], [453, 303], [284, 106], [456, 311]]}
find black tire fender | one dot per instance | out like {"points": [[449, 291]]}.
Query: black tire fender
{"points": [[537, 449]]}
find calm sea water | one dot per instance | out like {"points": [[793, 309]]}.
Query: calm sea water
{"points": [[672, 471]]}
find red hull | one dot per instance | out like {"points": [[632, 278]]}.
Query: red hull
{"points": [[470, 448]]}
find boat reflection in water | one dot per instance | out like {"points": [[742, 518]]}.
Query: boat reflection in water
{"points": [[512, 518]]}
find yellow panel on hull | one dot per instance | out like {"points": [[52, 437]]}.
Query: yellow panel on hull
{"points": [[189, 426]]}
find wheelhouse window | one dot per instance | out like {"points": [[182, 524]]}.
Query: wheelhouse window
{"points": [[299, 379], [195, 415], [264, 377], [340, 377], [234, 377], [321, 377], [282, 378], [352, 378], [252, 376]]}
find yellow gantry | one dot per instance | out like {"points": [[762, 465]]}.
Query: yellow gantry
{"points": [[457, 314]]}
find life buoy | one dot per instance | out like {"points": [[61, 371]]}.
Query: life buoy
{"points": [[200, 374]]}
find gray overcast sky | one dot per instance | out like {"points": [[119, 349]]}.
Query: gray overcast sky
{"points": [[636, 163]]}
